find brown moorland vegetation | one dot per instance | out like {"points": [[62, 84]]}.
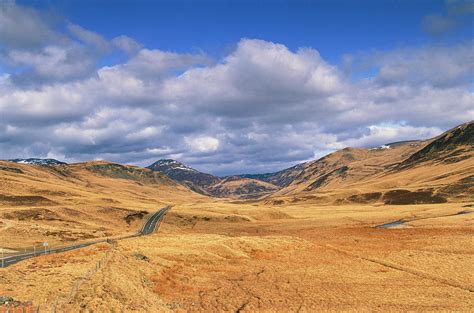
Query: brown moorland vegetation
{"points": [[359, 230]]}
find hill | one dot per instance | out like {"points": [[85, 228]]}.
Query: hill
{"points": [[448, 146], [207, 184], [186, 175], [354, 174], [70, 202], [238, 187], [431, 171], [281, 178]]}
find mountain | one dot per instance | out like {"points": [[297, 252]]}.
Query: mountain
{"points": [[81, 201], [281, 178], [411, 172], [195, 180], [39, 162], [448, 145], [348, 165], [238, 187], [424, 171], [128, 172], [437, 169], [207, 184]]}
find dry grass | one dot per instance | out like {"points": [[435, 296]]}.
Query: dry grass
{"points": [[72, 203], [304, 253], [302, 257]]}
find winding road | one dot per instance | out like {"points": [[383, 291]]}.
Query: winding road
{"points": [[148, 228]]}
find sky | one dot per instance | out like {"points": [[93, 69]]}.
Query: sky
{"points": [[229, 87]]}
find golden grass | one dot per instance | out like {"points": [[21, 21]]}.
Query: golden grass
{"points": [[71, 203], [304, 257], [214, 255]]}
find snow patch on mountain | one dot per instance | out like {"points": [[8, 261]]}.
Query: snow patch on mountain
{"points": [[38, 162], [382, 147]]}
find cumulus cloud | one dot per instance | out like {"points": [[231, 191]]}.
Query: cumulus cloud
{"points": [[53, 63], [44, 48], [23, 27], [89, 37], [261, 108], [203, 144], [156, 63], [126, 44], [383, 134], [439, 66], [253, 77]]}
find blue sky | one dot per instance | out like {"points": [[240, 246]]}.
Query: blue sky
{"points": [[229, 87], [335, 27]]}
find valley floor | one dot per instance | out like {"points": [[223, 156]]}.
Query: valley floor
{"points": [[241, 257]]}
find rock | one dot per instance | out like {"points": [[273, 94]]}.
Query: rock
{"points": [[140, 256]]}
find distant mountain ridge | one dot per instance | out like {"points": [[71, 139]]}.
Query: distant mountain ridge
{"points": [[195, 180], [437, 168], [207, 184], [447, 142], [37, 161], [408, 172], [281, 178]]}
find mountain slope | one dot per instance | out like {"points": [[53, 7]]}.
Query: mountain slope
{"points": [[70, 202], [448, 145], [436, 170], [281, 178], [207, 184], [195, 180], [235, 186]]}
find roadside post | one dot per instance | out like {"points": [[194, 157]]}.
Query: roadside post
{"points": [[45, 245], [34, 250], [3, 259]]}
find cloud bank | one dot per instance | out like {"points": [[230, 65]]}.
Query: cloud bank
{"points": [[263, 107]]}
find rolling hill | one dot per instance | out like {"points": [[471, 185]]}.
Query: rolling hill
{"points": [[68, 202], [281, 178], [186, 175], [207, 184], [431, 171], [409, 172]]}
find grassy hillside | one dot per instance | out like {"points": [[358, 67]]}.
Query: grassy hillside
{"points": [[64, 203], [433, 171]]}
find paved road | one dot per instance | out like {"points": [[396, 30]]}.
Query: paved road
{"points": [[150, 224], [148, 228]]}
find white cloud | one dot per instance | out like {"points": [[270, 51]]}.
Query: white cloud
{"points": [[145, 133], [156, 63], [262, 107], [126, 44], [382, 134], [23, 27], [203, 144], [256, 74], [89, 37], [54, 62], [440, 66]]}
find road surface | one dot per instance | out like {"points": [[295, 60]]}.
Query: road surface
{"points": [[148, 228]]}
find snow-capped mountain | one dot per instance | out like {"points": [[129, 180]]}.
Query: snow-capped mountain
{"points": [[232, 186], [194, 179], [170, 165], [382, 147], [38, 162]]}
